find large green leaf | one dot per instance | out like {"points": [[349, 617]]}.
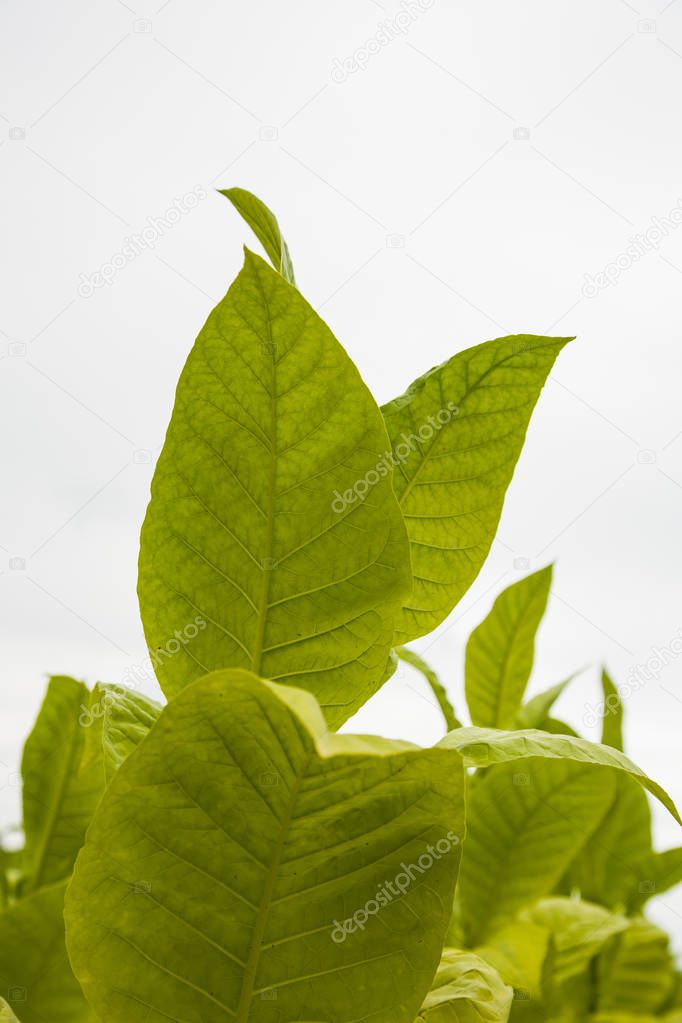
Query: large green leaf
{"points": [[243, 865], [482, 747], [35, 975], [263, 223], [273, 522], [60, 791], [526, 822], [636, 972], [499, 653], [457, 433], [608, 867], [466, 989]]}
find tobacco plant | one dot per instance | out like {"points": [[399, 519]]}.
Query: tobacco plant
{"points": [[232, 856]]}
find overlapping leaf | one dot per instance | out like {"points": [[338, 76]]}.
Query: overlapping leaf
{"points": [[482, 747], [127, 717], [526, 821], [60, 787], [500, 651], [578, 929], [534, 713], [466, 989], [612, 721], [653, 874], [265, 226], [636, 973], [35, 975], [243, 865], [457, 433], [610, 866], [273, 521]]}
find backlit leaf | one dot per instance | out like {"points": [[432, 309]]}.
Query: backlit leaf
{"points": [[499, 654], [456, 434], [272, 522], [246, 865]]}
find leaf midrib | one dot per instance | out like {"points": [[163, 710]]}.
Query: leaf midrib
{"points": [[41, 857], [510, 648], [253, 958], [264, 599]]}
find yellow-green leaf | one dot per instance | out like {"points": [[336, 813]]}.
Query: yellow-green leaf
{"points": [[246, 865], [273, 540], [456, 434]]}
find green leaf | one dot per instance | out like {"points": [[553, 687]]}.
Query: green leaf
{"points": [[35, 975], [249, 533], [264, 225], [126, 720], [243, 865], [457, 433], [556, 727], [526, 822], [59, 792], [612, 722], [437, 688], [466, 989], [482, 747], [534, 713], [518, 952], [609, 866], [6, 1014], [653, 874], [499, 653], [636, 972], [579, 930]]}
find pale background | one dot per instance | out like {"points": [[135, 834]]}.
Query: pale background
{"points": [[458, 188]]}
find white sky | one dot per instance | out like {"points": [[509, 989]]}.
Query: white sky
{"points": [[419, 225]]}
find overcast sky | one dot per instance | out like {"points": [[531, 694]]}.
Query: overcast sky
{"points": [[445, 172]]}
